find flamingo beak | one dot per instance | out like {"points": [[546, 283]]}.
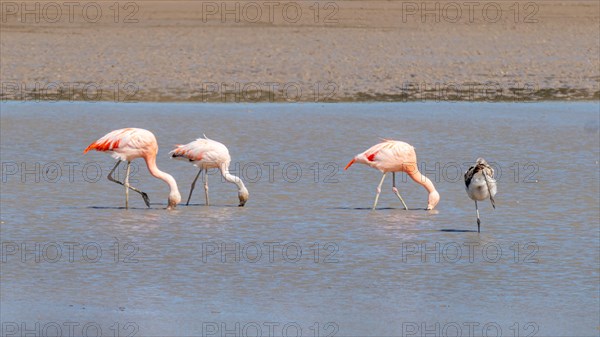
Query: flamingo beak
{"points": [[243, 196], [172, 205]]}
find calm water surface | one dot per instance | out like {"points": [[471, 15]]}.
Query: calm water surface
{"points": [[306, 253]]}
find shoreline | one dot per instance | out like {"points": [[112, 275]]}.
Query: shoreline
{"points": [[545, 95]]}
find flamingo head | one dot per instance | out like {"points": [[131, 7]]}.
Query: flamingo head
{"points": [[243, 195], [174, 199], [434, 198]]}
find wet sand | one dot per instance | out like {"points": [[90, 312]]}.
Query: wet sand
{"points": [[349, 51]]}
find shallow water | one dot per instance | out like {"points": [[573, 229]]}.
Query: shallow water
{"points": [[534, 269]]}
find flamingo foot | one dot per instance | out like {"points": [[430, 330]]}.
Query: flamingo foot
{"points": [[146, 199]]}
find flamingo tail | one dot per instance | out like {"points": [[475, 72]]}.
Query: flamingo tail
{"points": [[94, 146], [87, 149], [107, 145], [178, 152], [349, 164]]}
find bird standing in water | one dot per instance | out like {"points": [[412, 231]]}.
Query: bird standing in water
{"points": [[480, 185], [395, 156], [129, 144], [206, 153]]}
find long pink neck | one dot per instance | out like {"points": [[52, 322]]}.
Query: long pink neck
{"points": [[422, 180], [232, 179], [155, 172]]}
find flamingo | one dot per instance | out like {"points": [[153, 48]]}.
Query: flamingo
{"points": [[206, 153], [129, 144], [480, 185], [396, 156]]}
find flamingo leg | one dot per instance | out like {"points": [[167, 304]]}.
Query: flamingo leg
{"points": [[478, 221], [206, 186], [110, 177], [126, 184], [379, 190], [396, 190], [192, 189]]}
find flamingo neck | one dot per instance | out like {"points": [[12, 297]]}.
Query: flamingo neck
{"points": [[233, 179], [419, 178], [425, 182], [157, 173]]}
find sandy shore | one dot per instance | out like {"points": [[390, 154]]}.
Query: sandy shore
{"points": [[298, 51]]}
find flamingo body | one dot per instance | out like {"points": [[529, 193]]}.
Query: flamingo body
{"points": [[387, 156], [396, 156], [205, 154], [129, 144], [126, 144]]}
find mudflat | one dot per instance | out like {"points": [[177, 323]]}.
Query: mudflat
{"points": [[326, 51]]}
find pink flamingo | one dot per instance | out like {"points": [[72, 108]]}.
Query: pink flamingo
{"points": [[129, 144], [206, 153], [395, 156]]}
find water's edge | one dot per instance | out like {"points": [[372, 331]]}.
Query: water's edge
{"points": [[410, 94]]}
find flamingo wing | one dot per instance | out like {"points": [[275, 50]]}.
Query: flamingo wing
{"points": [[384, 149], [112, 140]]}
